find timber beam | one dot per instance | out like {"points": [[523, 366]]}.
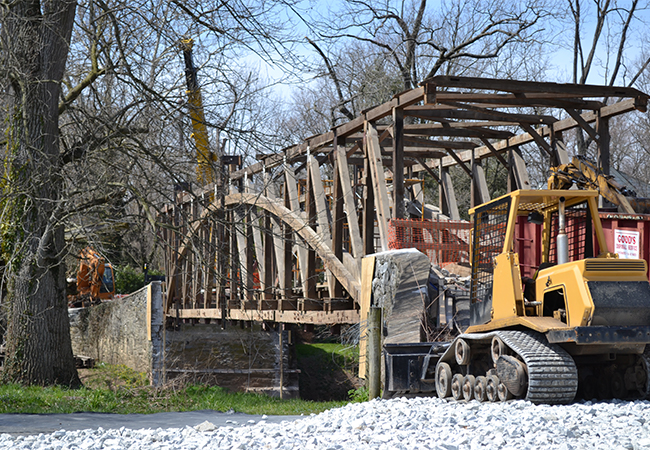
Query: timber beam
{"points": [[303, 317], [616, 109]]}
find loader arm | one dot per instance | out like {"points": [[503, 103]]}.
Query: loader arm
{"points": [[584, 174], [204, 156]]}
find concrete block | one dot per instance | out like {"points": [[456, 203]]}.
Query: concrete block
{"points": [[400, 288]]}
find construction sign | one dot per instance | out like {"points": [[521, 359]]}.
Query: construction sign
{"points": [[627, 243]]}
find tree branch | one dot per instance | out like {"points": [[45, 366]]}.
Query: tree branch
{"points": [[337, 83]]}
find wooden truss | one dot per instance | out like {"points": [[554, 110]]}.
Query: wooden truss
{"points": [[284, 246]]}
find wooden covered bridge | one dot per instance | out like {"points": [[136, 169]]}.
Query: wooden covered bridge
{"points": [[281, 240]]}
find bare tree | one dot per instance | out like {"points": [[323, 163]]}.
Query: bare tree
{"points": [[35, 37], [420, 42], [95, 104], [603, 27]]}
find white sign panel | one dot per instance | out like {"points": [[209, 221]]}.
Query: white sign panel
{"points": [[627, 243]]}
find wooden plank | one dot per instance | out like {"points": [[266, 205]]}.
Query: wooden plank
{"points": [[603, 156], [337, 223], [538, 138], [583, 123], [319, 200], [561, 153], [278, 241], [356, 147], [292, 188], [348, 197], [430, 143], [494, 152], [516, 86], [256, 230], [447, 189], [418, 193], [428, 129], [236, 276], [414, 152], [480, 184], [242, 248], [250, 263], [398, 163], [519, 171], [521, 99], [268, 302], [367, 275], [368, 209], [298, 224], [462, 165], [560, 126], [321, 212], [424, 165], [428, 113], [378, 184], [289, 302], [310, 296], [299, 317]]}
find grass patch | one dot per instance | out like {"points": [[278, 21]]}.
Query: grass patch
{"points": [[328, 371], [340, 350], [117, 389]]}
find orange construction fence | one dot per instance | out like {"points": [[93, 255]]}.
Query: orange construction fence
{"points": [[444, 242]]}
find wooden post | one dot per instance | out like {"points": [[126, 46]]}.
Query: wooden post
{"points": [[294, 201], [448, 196], [519, 170], [374, 352], [481, 191], [322, 210], [278, 241], [288, 299], [398, 163], [337, 226], [236, 279], [281, 332], [250, 264], [373, 153], [368, 227], [268, 302], [511, 173], [472, 181], [348, 195], [310, 295]]}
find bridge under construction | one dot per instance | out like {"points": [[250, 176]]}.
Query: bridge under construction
{"points": [[281, 240]]}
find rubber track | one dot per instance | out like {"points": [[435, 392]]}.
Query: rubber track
{"points": [[552, 373]]}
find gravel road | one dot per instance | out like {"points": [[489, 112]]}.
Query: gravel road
{"points": [[415, 423]]}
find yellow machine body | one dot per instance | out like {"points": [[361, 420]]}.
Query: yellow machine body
{"points": [[562, 297], [578, 327]]}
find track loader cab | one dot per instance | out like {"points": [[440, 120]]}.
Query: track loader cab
{"points": [[583, 319]]}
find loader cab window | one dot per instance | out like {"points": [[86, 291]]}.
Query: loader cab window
{"points": [[107, 280], [579, 230], [488, 238], [555, 305]]}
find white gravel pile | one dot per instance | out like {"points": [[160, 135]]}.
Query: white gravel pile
{"points": [[419, 423]]}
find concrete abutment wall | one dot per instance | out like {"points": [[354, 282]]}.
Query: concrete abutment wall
{"points": [[131, 331]]}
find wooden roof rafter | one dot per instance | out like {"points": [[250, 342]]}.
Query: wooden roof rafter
{"points": [[473, 108], [531, 87]]}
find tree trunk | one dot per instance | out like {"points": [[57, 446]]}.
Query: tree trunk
{"points": [[35, 38]]}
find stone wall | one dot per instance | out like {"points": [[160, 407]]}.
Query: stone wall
{"points": [[125, 331], [130, 331], [240, 359]]}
